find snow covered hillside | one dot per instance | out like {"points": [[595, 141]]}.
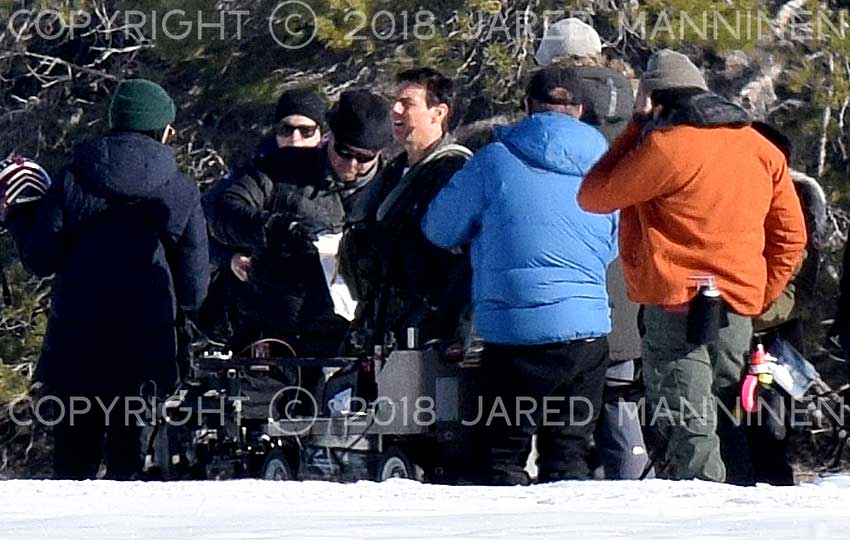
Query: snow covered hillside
{"points": [[404, 509]]}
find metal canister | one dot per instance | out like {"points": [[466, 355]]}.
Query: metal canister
{"points": [[706, 314]]}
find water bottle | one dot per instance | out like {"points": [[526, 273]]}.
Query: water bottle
{"points": [[706, 314]]}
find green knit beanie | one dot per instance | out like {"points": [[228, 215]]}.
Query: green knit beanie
{"points": [[140, 105]]}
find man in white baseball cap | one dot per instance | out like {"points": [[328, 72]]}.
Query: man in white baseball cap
{"points": [[568, 37]]}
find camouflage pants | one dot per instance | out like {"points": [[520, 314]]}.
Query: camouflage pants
{"points": [[684, 383]]}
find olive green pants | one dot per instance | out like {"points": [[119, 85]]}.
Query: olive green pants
{"points": [[685, 383]]}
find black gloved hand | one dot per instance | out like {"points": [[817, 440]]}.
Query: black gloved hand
{"points": [[305, 230], [283, 228]]}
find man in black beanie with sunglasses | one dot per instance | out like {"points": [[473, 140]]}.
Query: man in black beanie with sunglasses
{"points": [[300, 120], [279, 208]]}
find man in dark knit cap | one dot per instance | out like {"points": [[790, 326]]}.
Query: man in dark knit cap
{"points": [[123, 231], [299, 121], [279, 208], [299, 118], [680, 218]]}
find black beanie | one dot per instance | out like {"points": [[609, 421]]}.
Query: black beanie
{"points": [[362, 119], [304, 101]]}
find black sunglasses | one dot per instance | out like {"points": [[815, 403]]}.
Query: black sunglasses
{"points": [[287, 130], [347, 153]]}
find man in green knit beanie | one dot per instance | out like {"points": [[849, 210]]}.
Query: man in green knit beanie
{"points": [[142, 106], [125, 235]]}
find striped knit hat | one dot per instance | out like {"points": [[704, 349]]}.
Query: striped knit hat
{"points": [[21, 181]]}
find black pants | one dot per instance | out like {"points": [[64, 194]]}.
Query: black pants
{"points": [[762, 455], [552, 390], [82, 441], [768, 441]]}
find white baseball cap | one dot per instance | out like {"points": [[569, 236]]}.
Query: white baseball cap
{"points": [[568, 37]]}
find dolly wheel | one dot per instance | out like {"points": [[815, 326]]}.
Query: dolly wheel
{"points": [[277, 467], [395, 464]]}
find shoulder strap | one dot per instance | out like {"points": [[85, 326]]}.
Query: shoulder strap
{"points": [[612, 98], [449, 150]]}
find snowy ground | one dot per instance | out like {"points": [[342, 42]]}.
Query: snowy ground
{"points": [[403, 509]]}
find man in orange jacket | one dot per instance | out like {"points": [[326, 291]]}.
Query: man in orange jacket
{"points": [[701, 193]]}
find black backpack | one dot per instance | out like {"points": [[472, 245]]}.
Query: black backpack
{"points": [[608, 99]]}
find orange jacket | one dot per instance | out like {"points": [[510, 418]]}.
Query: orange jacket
{"points": [[699, 201]]}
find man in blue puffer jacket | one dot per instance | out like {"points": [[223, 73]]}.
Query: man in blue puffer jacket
{"points": [[539, 265]]}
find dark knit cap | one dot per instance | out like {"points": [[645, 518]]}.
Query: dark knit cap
{"points": [[668, 69], [362, 119], [304, 101], [140, 105], [556, 85]]}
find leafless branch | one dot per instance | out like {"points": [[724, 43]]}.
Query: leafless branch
{"points": [[826, 119]]}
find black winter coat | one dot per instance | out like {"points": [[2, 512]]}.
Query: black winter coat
{"points": [[401, 279], [220, 253], [286, 293], [124, 232]]}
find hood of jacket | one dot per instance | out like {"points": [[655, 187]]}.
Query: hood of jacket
{"points": [[554, 142], [815, 206], [124, 165], [704, 110]]}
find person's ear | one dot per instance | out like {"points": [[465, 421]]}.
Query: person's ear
{"points": [[168, 134], [643, 103], [441, 113], [579, 111]]}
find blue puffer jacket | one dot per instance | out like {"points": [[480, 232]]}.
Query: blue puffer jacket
{"points": [[538, 260]]}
